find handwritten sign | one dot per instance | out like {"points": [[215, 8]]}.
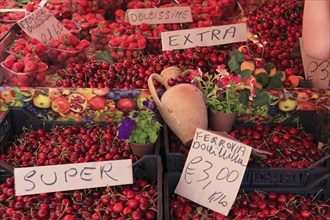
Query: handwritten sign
{"points": [[209, 36], [44, 179], [2, 10], [42, 25], [213, 171], [318, 71], [43, 3], [169, 15]]}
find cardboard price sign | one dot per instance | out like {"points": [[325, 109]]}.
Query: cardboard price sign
{"points": [[213, 171], [170, 15], [318, 71], [45, 179], [209, 36], [42, 25]]}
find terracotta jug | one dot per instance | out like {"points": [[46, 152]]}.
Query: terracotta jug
{"points": [[181, 106]]}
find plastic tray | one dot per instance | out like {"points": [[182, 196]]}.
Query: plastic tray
{"points": [[272, 176], [16, 118], [319, 188]]}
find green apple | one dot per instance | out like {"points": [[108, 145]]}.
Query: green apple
{"points": [[287, 105], [42, 101]]}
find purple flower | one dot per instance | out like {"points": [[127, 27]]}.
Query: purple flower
{"points": [[148, 104], [126, 127]]}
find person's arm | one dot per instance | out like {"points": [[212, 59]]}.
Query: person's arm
{"points": [[316, 28]]}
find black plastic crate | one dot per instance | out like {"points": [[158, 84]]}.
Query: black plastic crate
{"points": [[16, 119], [320, 188], [149, 168], [272, 176]]}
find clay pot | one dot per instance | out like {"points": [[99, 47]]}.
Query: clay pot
{"points": [[219, 121], [181, 106], [142, 149]]}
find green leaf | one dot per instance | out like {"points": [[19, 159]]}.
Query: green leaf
{"points": [[305, 83], [275, 81], [262, 98], [268, 67], [104, 56], [233, 64], [234, 52], [263, 79], [245, 74], [240, 58], [244, 96]]}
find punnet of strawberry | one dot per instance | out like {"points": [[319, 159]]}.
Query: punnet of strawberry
{"points": [[68, 49], [72, 27], [102, 34], [24, 46], [130, 46], [27, 71]]}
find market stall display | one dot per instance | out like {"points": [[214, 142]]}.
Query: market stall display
{"points": [[93, 81]]}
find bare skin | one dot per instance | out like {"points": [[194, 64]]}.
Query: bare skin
{"points": [[316, 28]]}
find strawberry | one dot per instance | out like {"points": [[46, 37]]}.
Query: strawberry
{"points": [[17, 67], [62, 38], [82, 44], [54, 43], [141, 43], [124, 44], [30, 66], [42, 66], [115, 42], [144, 27], [133, 45], [72, 40], [8, 63]]}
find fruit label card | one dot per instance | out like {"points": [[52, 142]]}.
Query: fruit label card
{"points": [[2, 10], [45, 179], [171, 15], [318, 71], [42, 25], [213, 171], [43, 3], [209, 36]]}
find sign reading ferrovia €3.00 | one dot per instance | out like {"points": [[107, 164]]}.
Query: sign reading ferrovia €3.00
{"points": [[213, 171]]}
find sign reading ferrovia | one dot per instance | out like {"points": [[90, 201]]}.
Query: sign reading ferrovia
{"points": [[209, 36], [213, 171], [44, 179]]}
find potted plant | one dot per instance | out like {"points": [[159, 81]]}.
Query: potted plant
{"points": [[222, 94], [140, 128]]}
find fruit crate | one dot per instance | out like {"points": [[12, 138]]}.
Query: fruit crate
{"points": [[255, 176], [16, 119], [319, 189]]}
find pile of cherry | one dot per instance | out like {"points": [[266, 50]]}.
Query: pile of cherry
{"points": [[278, 25], [62, 145], [134, 72], [75, 144], [135, 201], [289, 147], [255, 205]]}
